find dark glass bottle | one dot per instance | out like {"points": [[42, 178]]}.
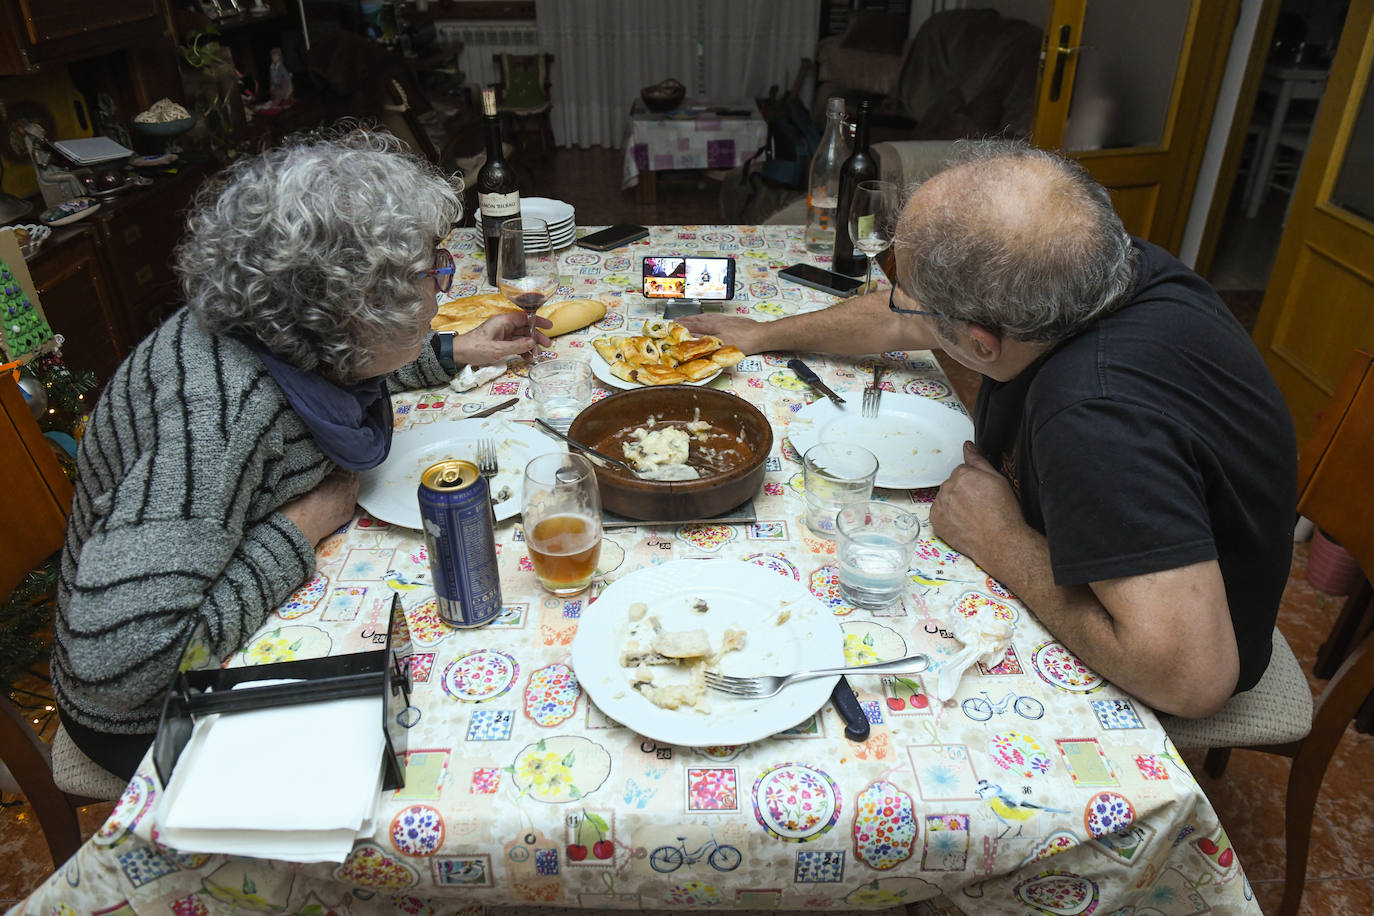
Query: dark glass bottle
{"points": [[861, 165], [498, 196]]}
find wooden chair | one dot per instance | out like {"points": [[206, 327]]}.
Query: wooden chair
{"points": [[524, 97], [33, 509], [1335, 491]]}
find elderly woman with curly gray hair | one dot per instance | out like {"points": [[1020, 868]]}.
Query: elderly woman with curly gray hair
{"points": [[223, 450]]}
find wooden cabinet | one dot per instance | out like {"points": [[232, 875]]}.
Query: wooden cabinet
{"points": [[36, 496], [36, 32], [75, 293]]}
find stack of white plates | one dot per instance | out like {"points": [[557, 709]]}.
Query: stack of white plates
{"points": [[559, 215]]}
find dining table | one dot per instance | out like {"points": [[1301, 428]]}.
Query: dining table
{"points": [[1038, 787]]}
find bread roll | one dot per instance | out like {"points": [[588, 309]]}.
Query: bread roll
{"points": [[463, 314], [571, 314]]}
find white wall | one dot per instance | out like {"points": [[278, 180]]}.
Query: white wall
{"points": [[1236, 59]]}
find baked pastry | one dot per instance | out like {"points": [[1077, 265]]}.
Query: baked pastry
{"points": [[665, 354]]}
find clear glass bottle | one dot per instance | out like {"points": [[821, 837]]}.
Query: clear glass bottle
{"points": [[823, 187]]}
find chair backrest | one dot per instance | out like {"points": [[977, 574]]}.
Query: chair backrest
{"points": [[1336, 467], [524, 79], [402, 120], [37, 497]]}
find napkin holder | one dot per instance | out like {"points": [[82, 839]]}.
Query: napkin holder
{"points": [[201, 688]]}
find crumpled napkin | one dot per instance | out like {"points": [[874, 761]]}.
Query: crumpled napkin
{"points": [[985, 640], [472, 377]]}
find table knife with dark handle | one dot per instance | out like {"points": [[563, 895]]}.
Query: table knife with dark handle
{"points": [[847, 705], [808, 375], [493, 409]]}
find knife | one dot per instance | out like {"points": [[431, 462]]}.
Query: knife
{"points": [[493, 409], [847, 705], [808, 375]]}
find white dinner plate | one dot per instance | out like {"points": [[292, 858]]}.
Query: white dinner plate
{"points": [[918, 441], [390, 491], [602, 370], [556, 241], [739, 595]]}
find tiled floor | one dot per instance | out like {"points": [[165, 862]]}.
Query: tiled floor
{"points": [[1249, 798]]}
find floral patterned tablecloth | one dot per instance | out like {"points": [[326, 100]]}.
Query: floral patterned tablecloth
{"points": [[1039, 789]]}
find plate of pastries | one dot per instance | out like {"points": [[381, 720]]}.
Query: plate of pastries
{"points": [[664, 353]]}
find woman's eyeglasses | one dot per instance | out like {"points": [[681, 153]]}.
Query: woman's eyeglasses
{"points": [[442, 271], [892, 304]]}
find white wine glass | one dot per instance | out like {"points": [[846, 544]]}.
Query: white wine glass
{"points": [[872, 220], [561, 513], [526, 264]]}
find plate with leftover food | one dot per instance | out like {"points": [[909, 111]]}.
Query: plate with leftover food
{"points": [[663, 353], [643, 647], [390, 491], [918, 441]]}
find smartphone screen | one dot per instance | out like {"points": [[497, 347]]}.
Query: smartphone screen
{"points": [[824, 280], [613, 237], [689, 278]]}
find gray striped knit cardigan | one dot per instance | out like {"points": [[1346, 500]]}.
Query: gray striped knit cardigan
{"points": [[185, 461]]}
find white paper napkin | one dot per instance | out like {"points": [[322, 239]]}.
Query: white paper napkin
{"points": [[985, 640], [472, 377], [295, 783]]}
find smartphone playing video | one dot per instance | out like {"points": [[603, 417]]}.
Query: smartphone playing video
{"points": [[827, 281], [689, 278], [613, 237]]}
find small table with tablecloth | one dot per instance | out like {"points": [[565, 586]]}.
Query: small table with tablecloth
{"points": [[1039, 788], [690, 137]]}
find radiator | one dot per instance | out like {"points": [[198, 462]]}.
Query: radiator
{"points": [[480, 40]]}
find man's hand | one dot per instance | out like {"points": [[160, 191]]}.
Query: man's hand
{"points": [[749, 335], [498, 338], [976, 506], [326, 508]]}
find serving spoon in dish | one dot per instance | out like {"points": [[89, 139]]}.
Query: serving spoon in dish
{"points": [[663, 472]]}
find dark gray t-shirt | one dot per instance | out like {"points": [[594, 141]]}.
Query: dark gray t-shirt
{"points": [[1156, 439]]}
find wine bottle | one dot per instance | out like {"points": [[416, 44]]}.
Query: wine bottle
{"points": [[824, 183], [861, 165], [498, 196]]}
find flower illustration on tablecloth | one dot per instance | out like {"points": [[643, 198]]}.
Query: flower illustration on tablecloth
{"points": [[1059, 667], [367, 866], [273, 647], [479, 675], [858, 650], [796, 802], [1020, 754], [712, 789], [884, 826], [551, 696], [417, 831], [1107, 813], [694, 893]]}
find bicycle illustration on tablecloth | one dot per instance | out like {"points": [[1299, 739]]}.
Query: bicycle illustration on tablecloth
{"points": [[981, 709], [671, 858]]}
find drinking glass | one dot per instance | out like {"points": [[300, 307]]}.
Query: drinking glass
{"points": [[561, 514], [526, 264], [872, 219], [560, 388], [874, 546], [835, 475]]}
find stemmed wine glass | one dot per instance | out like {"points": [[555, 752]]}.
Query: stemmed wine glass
{"points": [[873, 219], [526, 264]]}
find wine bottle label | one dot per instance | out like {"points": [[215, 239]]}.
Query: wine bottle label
{"points": [[493, 204]]}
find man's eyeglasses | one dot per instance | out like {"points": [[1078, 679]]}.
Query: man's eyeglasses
{"points": [[892, 304], [442, 271]]}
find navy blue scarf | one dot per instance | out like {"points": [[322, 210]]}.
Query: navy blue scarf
{"points": [[350, 423]]}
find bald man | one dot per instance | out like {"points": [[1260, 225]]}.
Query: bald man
{"points": [[1134, 474]]}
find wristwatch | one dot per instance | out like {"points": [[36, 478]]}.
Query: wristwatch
{"points": [[443, 348]]}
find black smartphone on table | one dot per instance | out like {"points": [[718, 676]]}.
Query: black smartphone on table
{"points": [[689, 278], [613, 237], [827, 281]]}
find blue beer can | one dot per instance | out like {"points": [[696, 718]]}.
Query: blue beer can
{"points": [[460, 534]]}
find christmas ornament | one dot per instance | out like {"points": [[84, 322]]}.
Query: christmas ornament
{"points": [[35, 395]]}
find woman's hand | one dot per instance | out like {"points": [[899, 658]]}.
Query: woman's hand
{"points": [[499, 338], [326, 508]]}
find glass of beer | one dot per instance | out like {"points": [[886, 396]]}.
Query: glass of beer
{"points": [[561, 513]]}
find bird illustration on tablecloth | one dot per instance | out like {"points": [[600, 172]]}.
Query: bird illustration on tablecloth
{"points": [[399, 582], [1010, 811]]}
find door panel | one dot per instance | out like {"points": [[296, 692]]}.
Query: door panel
{"points": [[1128, 89], [1319, 305]]}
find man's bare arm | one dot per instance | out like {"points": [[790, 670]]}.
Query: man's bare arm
{"points": [[1165, 637], [855, 326]]}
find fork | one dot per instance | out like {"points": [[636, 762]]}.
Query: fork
{"points": [[874, 392], [487, 464], [766, 685]]}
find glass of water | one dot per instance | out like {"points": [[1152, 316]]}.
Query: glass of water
{"points": [[835, 475], [560, 388], [874, 544]]}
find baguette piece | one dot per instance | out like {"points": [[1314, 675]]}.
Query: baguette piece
{"points": [[463, 314], [571, 314]]}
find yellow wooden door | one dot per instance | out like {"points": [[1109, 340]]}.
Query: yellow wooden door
{"points": [[1128, 89], [1319, 305]]}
